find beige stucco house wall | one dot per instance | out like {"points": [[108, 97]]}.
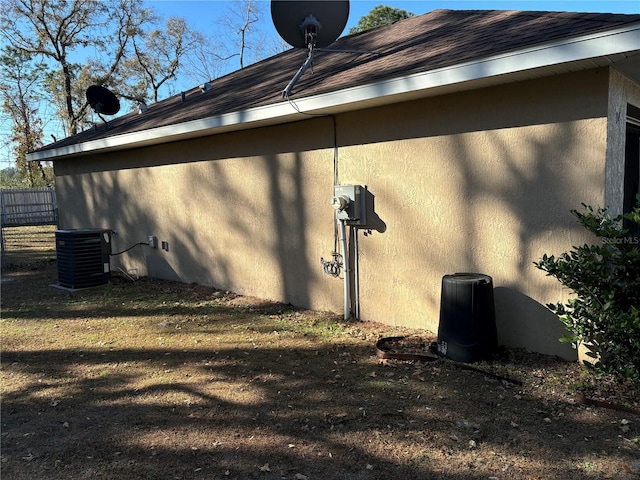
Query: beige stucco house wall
{"points": [[481, 180]]}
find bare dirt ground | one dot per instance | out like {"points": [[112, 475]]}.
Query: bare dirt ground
{"points": [[159, 380]]}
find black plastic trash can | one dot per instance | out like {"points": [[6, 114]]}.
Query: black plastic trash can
{"points": [[467, 330]]}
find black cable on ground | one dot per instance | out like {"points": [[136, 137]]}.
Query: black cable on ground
{"points": [[382, 352]]}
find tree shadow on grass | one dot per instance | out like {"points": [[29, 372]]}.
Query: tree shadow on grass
{"points": [[294, 397], [318, 411]]}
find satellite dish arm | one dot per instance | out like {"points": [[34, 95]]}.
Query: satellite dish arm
{"points": [[102, 118], [287, 91]]}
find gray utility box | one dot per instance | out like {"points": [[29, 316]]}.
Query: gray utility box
{"points": [[349, 201]]}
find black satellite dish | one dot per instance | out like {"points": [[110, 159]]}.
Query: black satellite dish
{"points": [[304, 22], [308, 23], [102, 100]]}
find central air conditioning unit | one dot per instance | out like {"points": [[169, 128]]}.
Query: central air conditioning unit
{"points": [[83, 257]]}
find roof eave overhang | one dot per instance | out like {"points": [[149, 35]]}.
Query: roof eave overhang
{"points": [[602, 48]]}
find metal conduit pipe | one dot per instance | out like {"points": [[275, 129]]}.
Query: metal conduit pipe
{"points": [[347, 271], [356, 275]]}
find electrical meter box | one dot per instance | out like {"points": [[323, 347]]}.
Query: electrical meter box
{"points": [[349, 203]]}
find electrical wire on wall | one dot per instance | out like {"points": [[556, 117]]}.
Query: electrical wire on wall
{"points": [[336, 179], [339, 261], [331, 267], [127, 249]]}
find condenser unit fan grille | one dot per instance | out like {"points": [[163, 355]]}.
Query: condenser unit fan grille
{"points": [[83, 257]]}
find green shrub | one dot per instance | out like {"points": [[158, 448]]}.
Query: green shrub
{"points": [[604, 314]]}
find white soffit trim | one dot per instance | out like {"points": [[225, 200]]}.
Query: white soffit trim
{"points": [[564, 51], [267, 115]]}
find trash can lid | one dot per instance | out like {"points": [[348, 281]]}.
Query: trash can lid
{"points": [[470, 277]]}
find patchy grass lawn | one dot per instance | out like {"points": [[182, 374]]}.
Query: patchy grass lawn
{"points": [[25, 245], [159, 380]]}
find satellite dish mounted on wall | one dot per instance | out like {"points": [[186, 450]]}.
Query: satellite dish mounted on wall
{"points": [[102, 101], [308, 24]]}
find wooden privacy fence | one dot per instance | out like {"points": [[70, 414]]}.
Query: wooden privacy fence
{"points": [[28, 219], [28, 207]]}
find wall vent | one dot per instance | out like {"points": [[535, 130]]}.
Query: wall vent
{"points": [[83, 257]]}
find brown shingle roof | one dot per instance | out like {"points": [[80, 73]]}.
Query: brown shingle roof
{"points": [[434, 40]]}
